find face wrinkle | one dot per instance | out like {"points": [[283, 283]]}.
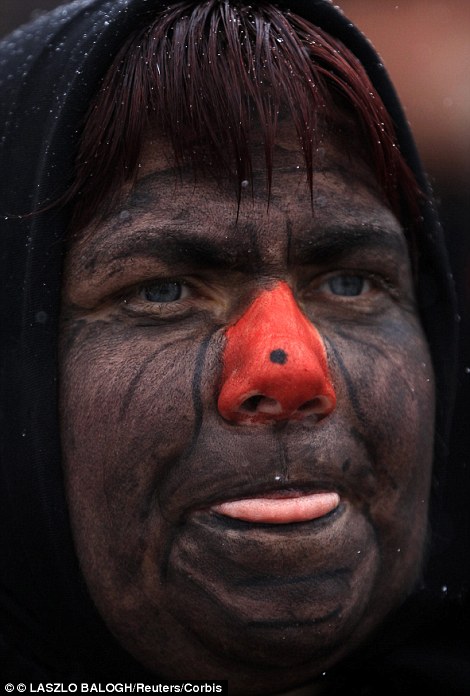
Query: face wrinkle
{"points": [[315, 581], [139, 376], [353, 395], [198, 415], [354, 400]]}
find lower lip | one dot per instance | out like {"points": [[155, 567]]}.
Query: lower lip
{"points": [[279, 509]]}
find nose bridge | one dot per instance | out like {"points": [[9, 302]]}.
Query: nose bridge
{"points": [[274, 364]]}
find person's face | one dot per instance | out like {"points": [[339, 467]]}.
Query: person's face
{"points": [[170, 409]]}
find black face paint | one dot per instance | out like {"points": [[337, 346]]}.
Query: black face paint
{"points": [[265, 549], [278, 356]]}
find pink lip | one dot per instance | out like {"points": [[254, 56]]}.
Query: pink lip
{"points": [[281, 507]]}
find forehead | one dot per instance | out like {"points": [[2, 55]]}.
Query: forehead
{"points": [[169, 203], [334, 140]]}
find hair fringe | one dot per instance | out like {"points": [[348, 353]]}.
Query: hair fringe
{"points": [[204, 74]]}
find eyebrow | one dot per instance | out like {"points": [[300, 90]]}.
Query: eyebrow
{"points": [[339, 241], [174, 246], [187, 248]]}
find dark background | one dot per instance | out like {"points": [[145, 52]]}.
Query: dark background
{"points": [[425, 45]]}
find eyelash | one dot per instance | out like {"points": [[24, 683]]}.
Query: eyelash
{"points": [[137, 305], [165, 282], [375, 281]]}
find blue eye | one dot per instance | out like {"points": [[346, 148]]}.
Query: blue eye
{"points": [[163, 291], [348, 285]]}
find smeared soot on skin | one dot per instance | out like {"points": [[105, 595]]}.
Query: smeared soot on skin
{"points": [[210, 596], [372, 455], [351, 387], [365, 344], [346, 465], [70, 331], [218, 648], [370, 449], [282, 625], [234, 619], [366, 443], [83, 329], [136, 380], [382, 352], [196, 391], [248, 232], [341, 574], [198, 416]]}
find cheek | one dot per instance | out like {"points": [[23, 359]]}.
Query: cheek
{"points": [[112, 388], [385, 382], [130, 410]]}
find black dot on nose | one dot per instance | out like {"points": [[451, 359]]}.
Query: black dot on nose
{"points": [[278, 356]]}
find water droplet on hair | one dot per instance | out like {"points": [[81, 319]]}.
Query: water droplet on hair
{"points": [[41, 317], [244, 183]]}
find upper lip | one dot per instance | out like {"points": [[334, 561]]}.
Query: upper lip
{"points": [[211, 474]]}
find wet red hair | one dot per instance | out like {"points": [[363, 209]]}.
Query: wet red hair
{"points": [[203, 74]]}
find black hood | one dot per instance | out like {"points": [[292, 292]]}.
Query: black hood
{"points": [[49, 71]]}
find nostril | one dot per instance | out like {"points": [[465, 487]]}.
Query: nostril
{"points": [[312, 405], [308, 405], [251, 404], [258, 403], [261, 404], [321, 404]]}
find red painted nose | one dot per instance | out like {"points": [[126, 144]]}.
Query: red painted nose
{"points": [[275, 365]]}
